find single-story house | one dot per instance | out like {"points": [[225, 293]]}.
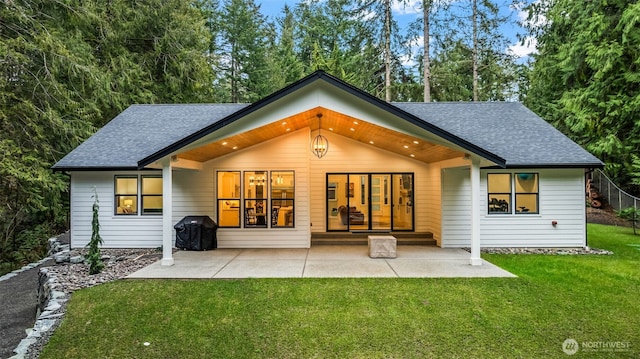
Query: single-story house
{"points": [[321, 156]]}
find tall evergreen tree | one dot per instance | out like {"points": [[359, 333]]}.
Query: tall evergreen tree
{"points": [[335, 35], [586, 78], [242, 62], [287, 66], [67, 68], [452, 72]]}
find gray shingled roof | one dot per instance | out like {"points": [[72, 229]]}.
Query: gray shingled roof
{"points": [[140, 131], [507, 129], [500, 130]]}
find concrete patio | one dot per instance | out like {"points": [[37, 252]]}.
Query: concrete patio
{"points": [[321, 261]]}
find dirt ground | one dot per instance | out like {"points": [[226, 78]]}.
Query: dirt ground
{"points": [[604, 216]]}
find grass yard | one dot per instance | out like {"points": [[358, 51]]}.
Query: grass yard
{"points": [[592, 299]]}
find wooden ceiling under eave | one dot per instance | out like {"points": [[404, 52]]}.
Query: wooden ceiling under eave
{"points": [[338, 123]]}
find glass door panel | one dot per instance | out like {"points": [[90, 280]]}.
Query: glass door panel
{"points": [[380, 202], [402, 194], [338, 202], [359, 201]]}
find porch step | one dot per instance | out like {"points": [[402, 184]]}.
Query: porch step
{"points": [[360, 238]]}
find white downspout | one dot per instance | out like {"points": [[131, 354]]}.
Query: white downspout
{"points": [[475, 259], [167, 214]]}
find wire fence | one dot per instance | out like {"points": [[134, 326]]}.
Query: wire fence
{"points": [[604, 191]]}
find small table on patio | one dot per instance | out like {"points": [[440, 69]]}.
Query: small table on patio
{"points": [[382, 246]]}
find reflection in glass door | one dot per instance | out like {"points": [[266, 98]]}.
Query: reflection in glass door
{"points": [[338, 202], [359, 202], [380, 202], [369, 202], [403, 202]]}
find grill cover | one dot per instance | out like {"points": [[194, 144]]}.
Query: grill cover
{"points": [[197, 233]]}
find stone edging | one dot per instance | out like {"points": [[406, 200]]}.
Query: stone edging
{"points": [[50, 300], [547, 251]]}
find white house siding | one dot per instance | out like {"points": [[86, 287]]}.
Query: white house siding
{"points": [[193, 194], [456, 195], [116, 231], [561, 199], [349, 156]]}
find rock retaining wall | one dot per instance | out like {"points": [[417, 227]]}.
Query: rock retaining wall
{"points": [[50, 300]]}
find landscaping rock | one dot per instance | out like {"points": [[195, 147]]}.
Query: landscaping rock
{"points": [[57, 283], [62, 257], [547, 251], [76, 259]]}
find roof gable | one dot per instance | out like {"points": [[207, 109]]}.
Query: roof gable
{"points": [[307, 82]]}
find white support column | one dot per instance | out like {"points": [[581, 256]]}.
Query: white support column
{"points": [[475, 259], [167, 214]]}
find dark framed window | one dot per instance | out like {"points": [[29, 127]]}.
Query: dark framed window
{"points": [[136, 195], [255, 199], [126, 195], [523, 188], [151, 194], [499, 193], [527, 193], [229, 193], [283, 199]]}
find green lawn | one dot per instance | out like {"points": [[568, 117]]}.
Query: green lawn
{"points": [[592, 299]]}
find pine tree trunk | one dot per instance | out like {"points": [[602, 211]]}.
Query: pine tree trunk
{"points": [[475, 50], [426, 8], [387, 50]]}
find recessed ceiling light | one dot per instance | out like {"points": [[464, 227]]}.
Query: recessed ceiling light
{"points": [[224, 143], [416, 142], [288, 129], [352, 129], [371, 142], [405, 146], [330, 128], [355, 122], [284, 123], [412, 155], [235, 147]]}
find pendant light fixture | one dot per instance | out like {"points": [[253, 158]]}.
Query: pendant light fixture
{"points": [[319, 144]]}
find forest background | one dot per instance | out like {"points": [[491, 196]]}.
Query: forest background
{"points": [[67, 67]]}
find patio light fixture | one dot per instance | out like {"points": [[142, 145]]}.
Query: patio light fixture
{"points": [[319, 144]]}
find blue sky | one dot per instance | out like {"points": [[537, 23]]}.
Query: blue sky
{"points": [[406, 14]]}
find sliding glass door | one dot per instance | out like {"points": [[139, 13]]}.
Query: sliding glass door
{"points": [[369, 202]]}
